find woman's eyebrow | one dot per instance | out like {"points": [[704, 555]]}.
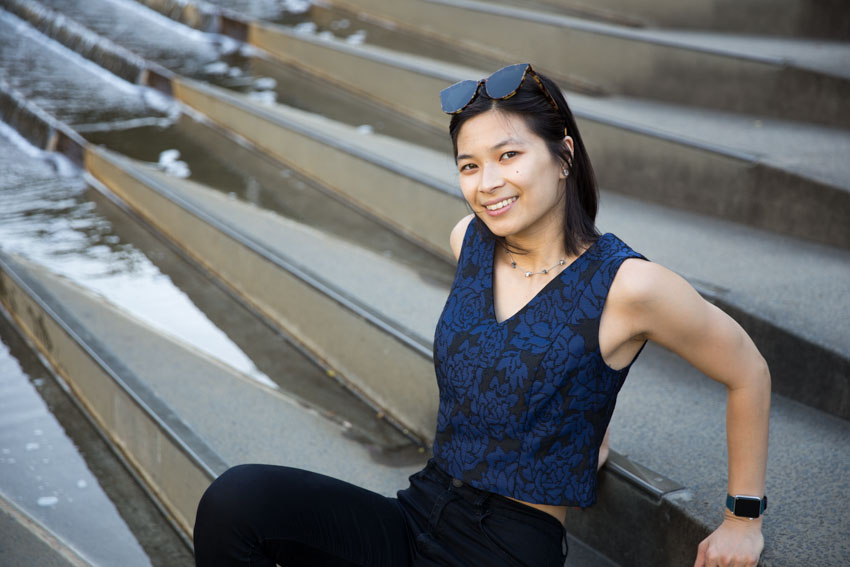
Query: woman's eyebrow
{"points": [[506, 142], [496, 147]]}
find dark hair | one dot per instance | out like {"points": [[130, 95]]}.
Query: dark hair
{"points": [[581, 200]]}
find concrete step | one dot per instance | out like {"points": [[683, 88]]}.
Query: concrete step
{"points": [[782, 78], [87, 29], [336, 290], [203, 393], [670, 418], [65, 497], [798, 324], [662, 152], [795, 18], [782, 314], [658, 151], [174, 462], [204, 410], [281, 358], [38, 67], [211, 408], [399, 182], [27, 542], [38, 219]]}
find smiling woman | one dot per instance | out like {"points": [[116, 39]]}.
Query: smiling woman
{"points": [[543, 322]]}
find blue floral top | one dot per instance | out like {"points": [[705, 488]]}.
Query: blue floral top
{"points": [[524, 403]]}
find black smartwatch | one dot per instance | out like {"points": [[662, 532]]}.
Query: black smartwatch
{"points": [[746, 506]]}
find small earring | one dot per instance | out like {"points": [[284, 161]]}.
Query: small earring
{"points": [[566, 172]]}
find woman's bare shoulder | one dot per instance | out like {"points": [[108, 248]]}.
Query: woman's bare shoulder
{"points": [[457, 234], [645, 292], [638, 280]]}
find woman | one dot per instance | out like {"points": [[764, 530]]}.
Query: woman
{"points": [[543, 322]]}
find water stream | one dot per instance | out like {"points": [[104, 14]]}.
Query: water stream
{"points": [[84, 75], [56, 468]]}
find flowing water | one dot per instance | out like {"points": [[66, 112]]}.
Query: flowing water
{"points": [[57, 469], [78, 61]]}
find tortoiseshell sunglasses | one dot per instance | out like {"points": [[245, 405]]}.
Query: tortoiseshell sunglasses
{"points": [[502, 84]]}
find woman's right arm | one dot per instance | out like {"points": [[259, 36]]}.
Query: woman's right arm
{"points": [[456, 236]]}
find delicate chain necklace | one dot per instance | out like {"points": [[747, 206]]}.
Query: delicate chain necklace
{"points": [[561, 262]]}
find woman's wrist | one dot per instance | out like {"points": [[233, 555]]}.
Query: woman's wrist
{"points": [[753, 523]]}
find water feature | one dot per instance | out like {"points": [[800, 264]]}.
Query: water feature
{"points": [[88, 30], [65, 84], [53, 215], [57, 469], [62, 223]]}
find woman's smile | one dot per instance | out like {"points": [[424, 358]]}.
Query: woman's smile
{"points": [[500, 207]]}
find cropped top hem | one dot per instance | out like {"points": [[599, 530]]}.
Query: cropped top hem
{"points": [[525, 402], [498, 489]]}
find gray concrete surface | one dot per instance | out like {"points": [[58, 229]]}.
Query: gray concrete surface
{"points": [[778, 279], [226, 408], [671, 418], [24, 542]]}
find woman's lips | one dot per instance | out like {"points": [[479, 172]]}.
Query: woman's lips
{"points": [[502, 209]]}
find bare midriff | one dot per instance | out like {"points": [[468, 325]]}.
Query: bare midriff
{"points": [[559, 512]]}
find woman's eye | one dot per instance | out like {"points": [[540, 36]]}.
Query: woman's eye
{"points": [[466, 165], [509, 154]]}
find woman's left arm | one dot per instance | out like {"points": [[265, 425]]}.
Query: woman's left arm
{"points": [[664, 308]]}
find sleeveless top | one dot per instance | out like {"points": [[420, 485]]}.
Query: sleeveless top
{"points": [[524, 404]]}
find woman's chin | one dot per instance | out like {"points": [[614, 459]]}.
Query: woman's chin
{"points": [[500, 228]]}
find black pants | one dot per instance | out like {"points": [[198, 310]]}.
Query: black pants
{"points": [[259, 515]]}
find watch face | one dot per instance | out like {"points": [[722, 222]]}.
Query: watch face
{"points": [[747, 507]]}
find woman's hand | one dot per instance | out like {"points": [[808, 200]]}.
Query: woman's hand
{"points": [[738, 542]]}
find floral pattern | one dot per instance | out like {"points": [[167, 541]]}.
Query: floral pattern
{"points": [[524, 403]]}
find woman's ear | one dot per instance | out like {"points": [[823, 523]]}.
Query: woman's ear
{"points": [[568, 141]]}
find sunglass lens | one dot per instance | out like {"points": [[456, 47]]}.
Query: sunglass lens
{"points": [[458, 95], [505, 81]]}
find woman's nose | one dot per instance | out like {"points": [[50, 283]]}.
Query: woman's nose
{"points": [[491, 178]]}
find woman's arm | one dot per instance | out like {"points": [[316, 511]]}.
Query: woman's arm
{"points": [[663, 307], [457, 233]]}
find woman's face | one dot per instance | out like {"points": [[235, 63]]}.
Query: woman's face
{"points": [[508, 176]]}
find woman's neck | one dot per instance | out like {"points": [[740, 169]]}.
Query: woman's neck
{"points": [[545, 248]]}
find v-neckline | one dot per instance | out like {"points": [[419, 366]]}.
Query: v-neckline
{"points": [[491, 276]]}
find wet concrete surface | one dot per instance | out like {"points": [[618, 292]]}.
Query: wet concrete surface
{"points": [[275, 355], [75, 231], [156, 38], [52, 220], [207, 57], [56, 467], [296, 88], [67, 86], [264, 9], [218, 162]]}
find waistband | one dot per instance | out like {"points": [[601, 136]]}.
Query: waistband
{"points": [[474, 494]]}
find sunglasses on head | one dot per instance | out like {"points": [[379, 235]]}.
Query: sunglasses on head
{"points": [[501, 85]]}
